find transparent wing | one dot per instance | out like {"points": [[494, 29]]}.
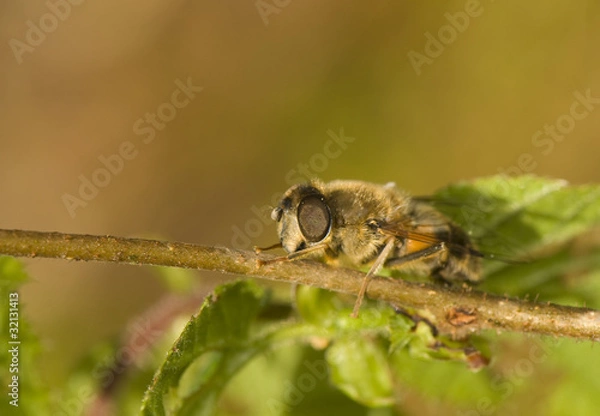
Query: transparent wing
{"points": [[482, 229], [425, 233]]}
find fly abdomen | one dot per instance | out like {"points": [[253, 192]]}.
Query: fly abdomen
{"points": [[463, 260]]}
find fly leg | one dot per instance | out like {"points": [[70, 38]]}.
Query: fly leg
{"points": [[291, 256], [419, 255], [382, 260], [261, 249], [390, 243]]}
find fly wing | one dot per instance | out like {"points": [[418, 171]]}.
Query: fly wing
{"points": [[431, 234], [481, 230]]}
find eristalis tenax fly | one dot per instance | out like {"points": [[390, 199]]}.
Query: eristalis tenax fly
{"points": [[358, 223]]}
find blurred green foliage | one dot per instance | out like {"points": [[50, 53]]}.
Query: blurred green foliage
{"points": [[235, 357], [272, 93]]}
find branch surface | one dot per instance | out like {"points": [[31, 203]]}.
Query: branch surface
{"points": [[457, 311]]}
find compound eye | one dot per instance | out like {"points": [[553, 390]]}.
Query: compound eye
{"points": [[314, 218]]}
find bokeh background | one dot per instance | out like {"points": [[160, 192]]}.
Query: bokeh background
{"points": [[278, 78]]}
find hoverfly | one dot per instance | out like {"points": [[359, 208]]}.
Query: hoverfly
{"points": [[361, 223]]}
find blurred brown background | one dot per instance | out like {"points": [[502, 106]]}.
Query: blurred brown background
{"points": [[276, 78]]}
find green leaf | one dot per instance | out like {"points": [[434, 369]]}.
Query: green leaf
{"points": [[176, 279], [213, 346], [575, 383], [446, 380], [542, 277], [523, 218], [318, 306], [526, 211], [20, 347], [372, 358], [293, 380], [327, 310], [12, 273], [359, 368]]}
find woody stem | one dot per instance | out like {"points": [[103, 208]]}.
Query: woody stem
{"points": [[445, 304]]}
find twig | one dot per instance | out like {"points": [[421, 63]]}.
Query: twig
{"points": [[455, 311]]}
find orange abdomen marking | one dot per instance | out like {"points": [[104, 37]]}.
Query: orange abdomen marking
{"points": [[414, 245]]}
